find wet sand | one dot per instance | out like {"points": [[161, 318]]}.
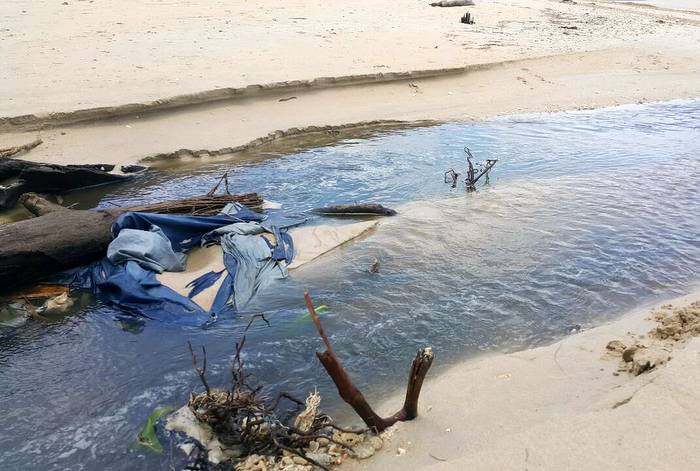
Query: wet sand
{"points": [[569, 405]]}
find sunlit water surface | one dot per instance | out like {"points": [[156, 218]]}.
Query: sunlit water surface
{"points": [[587, 215]]}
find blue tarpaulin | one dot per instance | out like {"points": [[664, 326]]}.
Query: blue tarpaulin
{"points": [[134, 289], [151, 249]]}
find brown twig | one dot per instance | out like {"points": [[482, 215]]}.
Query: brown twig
{"points": [[224, 178], [200, 371], [349, 392]]}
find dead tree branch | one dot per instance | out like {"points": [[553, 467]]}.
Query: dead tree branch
{"points": [[349, 392], [10, 151], [200, 371]]}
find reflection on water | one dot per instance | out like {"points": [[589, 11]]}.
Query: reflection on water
{"points": [[587, 215]]}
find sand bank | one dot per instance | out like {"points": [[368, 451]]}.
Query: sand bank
{"points": [[687, 5], [564, 406], [377, 61], [62, 56]]}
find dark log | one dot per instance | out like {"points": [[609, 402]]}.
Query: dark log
{"points": [[133, 168], [20, 176], [38, 206], [349, 210], [62, 238], [349, 392], [57, 240], [453, 3]]}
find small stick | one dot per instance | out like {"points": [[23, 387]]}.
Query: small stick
{"points": [[203, 369], [32, 310], [10, 151]]}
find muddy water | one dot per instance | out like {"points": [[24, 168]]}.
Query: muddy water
{"points": [[587, 214]]}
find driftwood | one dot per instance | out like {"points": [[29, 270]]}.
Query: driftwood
{"points": [[61, 238], [10, 151], [251, 423], [473, 176], [349, 210], [248, 421], [20, 176], [349, 392], [207, 205], [57, 240], [453, 3]]}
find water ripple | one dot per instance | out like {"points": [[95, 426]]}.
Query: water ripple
{"points": [[587, 214]]}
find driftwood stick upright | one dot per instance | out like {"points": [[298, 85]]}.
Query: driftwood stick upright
{"points": [[349, 392]]}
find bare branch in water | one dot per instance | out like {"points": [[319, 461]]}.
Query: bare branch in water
{"points": [[200, 371], [349, 392]]}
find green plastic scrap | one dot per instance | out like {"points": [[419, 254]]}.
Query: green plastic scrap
{"points": [[319, 310], [147, 438]]}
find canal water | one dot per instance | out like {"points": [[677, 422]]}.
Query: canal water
{"points": [[586, 215]]}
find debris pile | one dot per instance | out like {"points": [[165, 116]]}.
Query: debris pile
{"points": [[242, 425], [248, 428]]}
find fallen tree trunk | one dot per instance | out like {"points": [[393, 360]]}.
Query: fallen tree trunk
{"points": [[453, 3], [349, 392], [61, 238], [21, 176], [57, 240]]}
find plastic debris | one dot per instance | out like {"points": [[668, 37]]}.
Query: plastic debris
{"points": [[147, 437]]}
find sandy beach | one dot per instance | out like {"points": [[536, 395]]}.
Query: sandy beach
{"points": [[120, 84], [127, 81], [566, 406]]}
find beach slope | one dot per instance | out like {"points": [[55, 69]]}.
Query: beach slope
{"points": [[570, 405]]}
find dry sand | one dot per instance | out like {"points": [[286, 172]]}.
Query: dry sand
{"points": [[521, 55], [60, 57], [688, 5], [567, 406]]}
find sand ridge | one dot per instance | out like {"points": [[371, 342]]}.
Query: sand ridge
{"points": [[66, 56], [173, 81]]}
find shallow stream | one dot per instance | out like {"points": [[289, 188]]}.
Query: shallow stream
{"points": [[586, 215]]}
